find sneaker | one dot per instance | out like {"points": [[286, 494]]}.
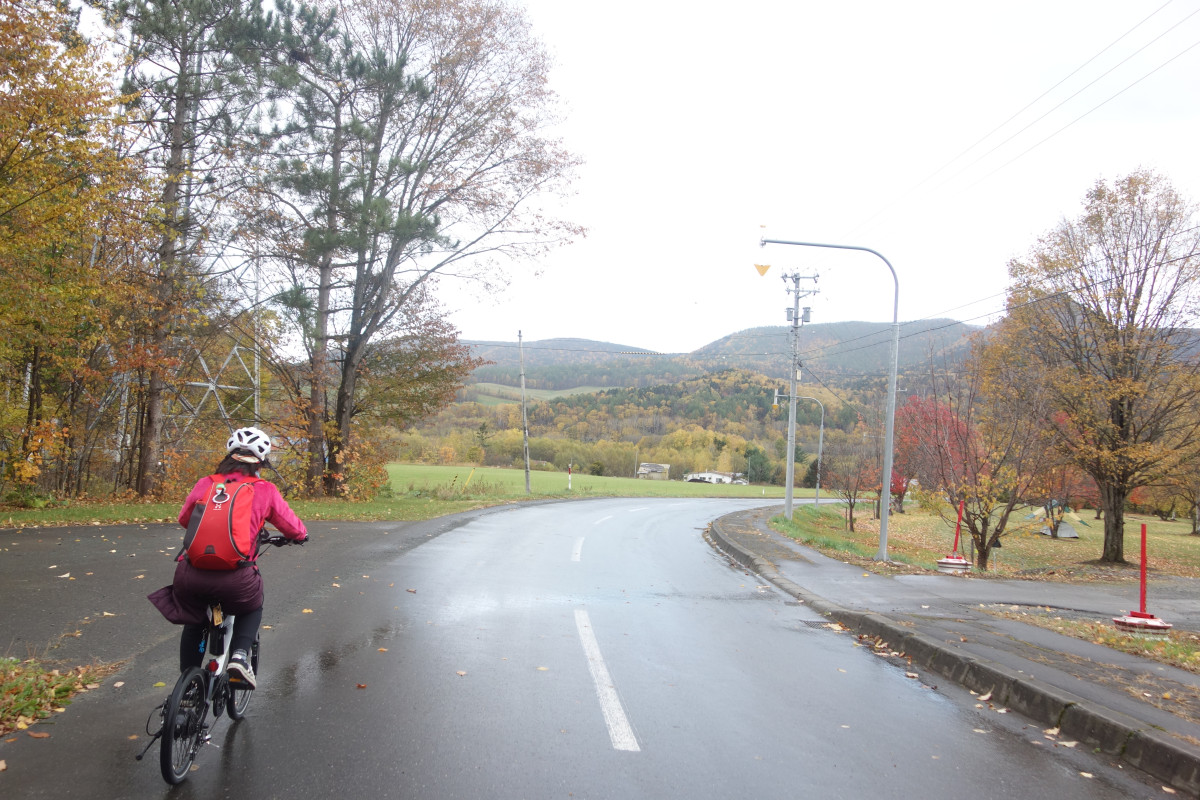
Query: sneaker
{"points": [[239, 668]]}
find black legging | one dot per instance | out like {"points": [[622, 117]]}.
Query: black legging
{"points": [[245, 628]]}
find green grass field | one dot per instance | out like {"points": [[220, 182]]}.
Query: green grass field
{"points": [[920, 538], [509, 484], [418, 492]]}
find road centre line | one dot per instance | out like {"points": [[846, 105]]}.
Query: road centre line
{"points": [[602, 519], [578, 551], [619, 730]]}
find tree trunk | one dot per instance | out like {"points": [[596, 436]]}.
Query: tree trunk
{"points": [[982, 554], [169, 249], [1112, 501], [149, 449], [339, 443], [318, 450]]}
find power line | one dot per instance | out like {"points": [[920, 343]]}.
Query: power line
{"points": [[1089, 85], [1081, 116], [1025, 108]]}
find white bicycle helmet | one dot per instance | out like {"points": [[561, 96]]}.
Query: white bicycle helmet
{"points": [[251, 439]]}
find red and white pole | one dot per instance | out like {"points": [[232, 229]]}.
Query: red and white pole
{"points": [[1142, 622]]}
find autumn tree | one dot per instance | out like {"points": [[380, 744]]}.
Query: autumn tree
{"points": [[66, 245], [418, 148], [851, 470], [1098, 315], [976, 442]]}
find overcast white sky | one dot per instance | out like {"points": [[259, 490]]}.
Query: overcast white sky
{"points": [[843, 122]]}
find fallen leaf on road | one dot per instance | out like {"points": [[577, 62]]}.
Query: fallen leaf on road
{"points": [[118, 684], [107, 614], [460, 673], [3, 766], [985, 697], [65, 575], [338, 585], [1087, 774], [360, 686], [1166, 789], [159, 685], [1051, 731], [1068, 744], [133, 737], [38, 735], [383, 649], [306, 611], [911, 675], [540, 669], [977, 730], [52, 566], [411, 591]]}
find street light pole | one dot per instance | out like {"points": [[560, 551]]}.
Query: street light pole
{"points": [[820, 444], [891, 392]]}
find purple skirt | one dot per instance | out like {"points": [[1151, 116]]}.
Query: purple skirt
{"points": [[186, 601]]}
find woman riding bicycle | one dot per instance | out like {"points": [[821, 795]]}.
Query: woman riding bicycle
{"points": [[239, 591]]}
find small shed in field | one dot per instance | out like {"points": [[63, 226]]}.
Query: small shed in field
{"points": [[654, 472]]}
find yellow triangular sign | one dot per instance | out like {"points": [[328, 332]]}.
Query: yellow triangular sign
{"points": [[762, 268]]}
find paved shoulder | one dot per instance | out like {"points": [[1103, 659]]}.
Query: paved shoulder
{"points": [[1145, 714]]}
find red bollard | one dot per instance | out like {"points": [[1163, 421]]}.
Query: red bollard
{"points": [[1142, 622]]}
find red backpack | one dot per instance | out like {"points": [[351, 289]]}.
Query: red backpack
{"points": [[219, 534]]}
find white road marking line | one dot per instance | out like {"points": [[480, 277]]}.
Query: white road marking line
{"points": [[578, 549], [639, 508], [619, 730], [602, 519]]}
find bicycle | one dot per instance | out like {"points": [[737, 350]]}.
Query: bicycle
{"points": [[184, 714]]}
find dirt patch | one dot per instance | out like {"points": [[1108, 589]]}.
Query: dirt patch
{"points": [[1085, 572]]}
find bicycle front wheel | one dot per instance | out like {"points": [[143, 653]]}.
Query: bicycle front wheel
{"points": [[182, 719], [240, 698]]}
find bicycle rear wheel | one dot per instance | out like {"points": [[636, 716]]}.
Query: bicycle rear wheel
{"points": [[240, 698], [182, 719]]}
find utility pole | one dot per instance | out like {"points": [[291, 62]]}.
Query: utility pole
{"points": [[796, 318], [524, 416]]}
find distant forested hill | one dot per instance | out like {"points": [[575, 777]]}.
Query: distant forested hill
{"points": [[839, 353]]}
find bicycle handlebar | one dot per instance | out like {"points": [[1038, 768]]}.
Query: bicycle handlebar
{"points": [[278, 540]]}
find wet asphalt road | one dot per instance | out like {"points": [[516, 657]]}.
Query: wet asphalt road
{"points": [[593, 649]]}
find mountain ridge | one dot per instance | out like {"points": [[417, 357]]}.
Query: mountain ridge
{"points": [[838, 351]]}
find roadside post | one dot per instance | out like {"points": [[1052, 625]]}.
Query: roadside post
{"points": [[1142, 622], [954, 563]]}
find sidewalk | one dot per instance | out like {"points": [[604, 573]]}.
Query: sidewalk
{"points": [[1142, 713]]}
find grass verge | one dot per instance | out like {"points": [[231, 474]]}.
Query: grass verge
{"points": [[29, 692], [1178, 648]]}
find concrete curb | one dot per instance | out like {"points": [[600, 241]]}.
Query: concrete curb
{"points": [[1131, 741]]}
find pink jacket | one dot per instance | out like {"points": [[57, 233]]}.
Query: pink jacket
{"points": [[269, 506]]}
